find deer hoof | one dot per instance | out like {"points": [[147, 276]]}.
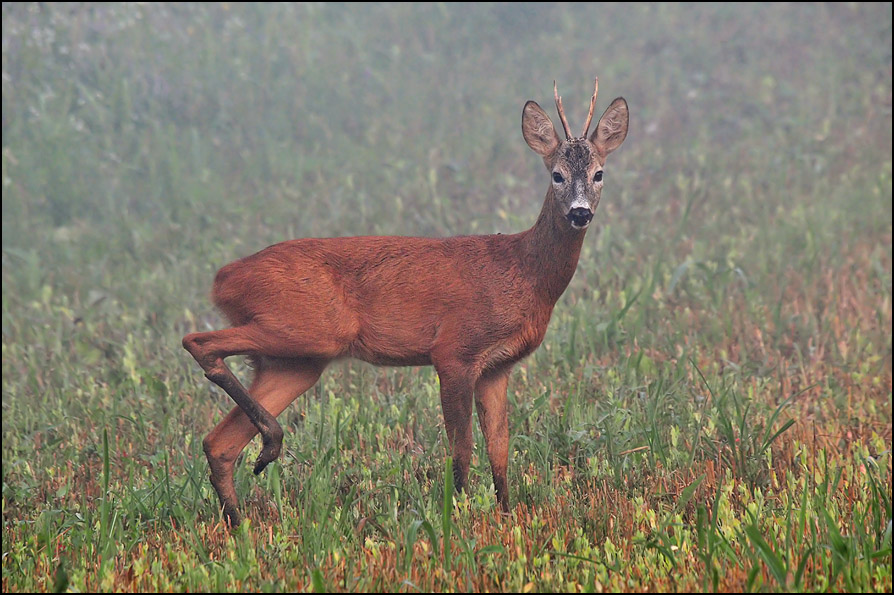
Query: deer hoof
{"points": [[231, 517], [269, 454]]}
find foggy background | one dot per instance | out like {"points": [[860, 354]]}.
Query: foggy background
{"points": [[272, 121]]}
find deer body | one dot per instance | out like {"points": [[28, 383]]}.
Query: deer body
{"points": [[471, 306], [337, 297]]}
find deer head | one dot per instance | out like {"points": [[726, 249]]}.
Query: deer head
{"points": [[575, 164]]}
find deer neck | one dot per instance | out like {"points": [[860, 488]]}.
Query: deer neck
{"points": [[551, 250]]}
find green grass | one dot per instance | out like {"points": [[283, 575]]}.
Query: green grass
{"points": [[710, 409]]}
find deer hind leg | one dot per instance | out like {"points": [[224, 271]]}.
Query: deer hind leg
{"points": [[210, 349], [277, 383], [493, 416]]}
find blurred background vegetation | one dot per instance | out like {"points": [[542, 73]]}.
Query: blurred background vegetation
{"points": [[745, 229], [133, 131]]}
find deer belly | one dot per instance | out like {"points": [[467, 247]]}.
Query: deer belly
{"points": [[396, 342]]}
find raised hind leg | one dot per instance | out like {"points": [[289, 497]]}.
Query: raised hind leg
{"points": [[210, 349], [277, 383]]}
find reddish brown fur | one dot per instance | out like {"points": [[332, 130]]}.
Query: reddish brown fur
{"points": [[471, 306]]}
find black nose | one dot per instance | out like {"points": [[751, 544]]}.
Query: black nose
{"points": [[580, 217]]}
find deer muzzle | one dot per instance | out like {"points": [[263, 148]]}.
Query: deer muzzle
{"points": [[580, 217]]}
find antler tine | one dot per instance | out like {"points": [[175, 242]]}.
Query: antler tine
{"points": [[561, 111], [592, 105]]}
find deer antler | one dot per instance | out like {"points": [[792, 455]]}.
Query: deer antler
{"points": [[561, 111], [592, 105]]}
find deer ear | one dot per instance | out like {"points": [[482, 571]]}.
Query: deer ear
{"points": [[612, 128], [538, 130]]}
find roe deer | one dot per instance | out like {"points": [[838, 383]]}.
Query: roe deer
{"points": [[471, 306]]}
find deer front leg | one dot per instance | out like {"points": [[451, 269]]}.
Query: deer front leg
{"points": [[493, 417], [456, 401]]}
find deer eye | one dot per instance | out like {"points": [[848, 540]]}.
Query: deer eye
{"points": [[597, 177], [557, 177]]}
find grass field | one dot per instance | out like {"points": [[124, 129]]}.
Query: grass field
{"points": [[710, 409]]}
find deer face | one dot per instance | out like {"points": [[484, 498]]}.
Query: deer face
{"points": [[577, 181], [575, 164]]}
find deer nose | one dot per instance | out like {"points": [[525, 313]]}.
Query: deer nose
{"points": [[580, 217]]}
